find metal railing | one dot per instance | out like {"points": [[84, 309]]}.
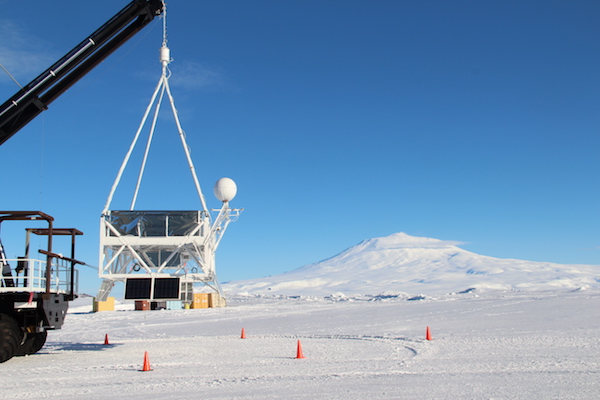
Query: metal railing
{"points": [[29, 275]]}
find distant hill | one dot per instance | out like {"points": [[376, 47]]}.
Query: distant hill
{"points": [[417, 265]]}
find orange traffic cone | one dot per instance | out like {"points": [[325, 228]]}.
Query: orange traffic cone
{"points": [[299, 351], [428, 334], [106, 339], [243, 334], [146, 366]]}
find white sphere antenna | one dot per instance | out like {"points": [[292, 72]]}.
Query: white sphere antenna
{"points": [[225, 189]]}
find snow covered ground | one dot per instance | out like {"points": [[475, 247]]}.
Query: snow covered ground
{"points": [[502, 329], [486, 345]]}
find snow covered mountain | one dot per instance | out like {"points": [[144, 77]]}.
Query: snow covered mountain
{"points": [[401, 263]]}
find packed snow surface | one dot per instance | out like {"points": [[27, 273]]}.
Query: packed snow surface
{"points": [[418, 265], [485, 345], [501, 329]]}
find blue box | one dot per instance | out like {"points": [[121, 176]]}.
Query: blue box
{"points": [[174, 305]]}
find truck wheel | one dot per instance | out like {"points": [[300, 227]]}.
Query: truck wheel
{"points": [[32, 344], [10, 337]]}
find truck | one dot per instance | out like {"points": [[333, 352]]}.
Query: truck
{"points": [[35, 292]]}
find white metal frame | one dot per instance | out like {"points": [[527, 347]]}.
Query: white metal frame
{"points": [[131, 254]]}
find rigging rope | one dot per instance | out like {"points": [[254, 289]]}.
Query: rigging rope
{"points": [[11, 77], [161, 88], [164, 17]]}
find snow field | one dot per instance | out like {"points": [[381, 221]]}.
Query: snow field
{"points": [[495, 345]]}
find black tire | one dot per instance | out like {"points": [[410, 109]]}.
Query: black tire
{"points": [[10, 337], [32, 344]]}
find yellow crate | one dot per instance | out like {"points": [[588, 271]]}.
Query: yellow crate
{"points": [[200, 300], [108, 305], [215, 300]]}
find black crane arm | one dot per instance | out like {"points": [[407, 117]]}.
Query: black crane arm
{"points": [[34, 98]]}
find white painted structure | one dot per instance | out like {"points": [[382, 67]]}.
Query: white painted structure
{"points": [[162, 254]]}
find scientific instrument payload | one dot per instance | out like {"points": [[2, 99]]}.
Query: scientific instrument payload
{"points": [[163, 254]]}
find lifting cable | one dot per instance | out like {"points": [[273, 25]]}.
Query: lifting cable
{"points": [[159, 91]]}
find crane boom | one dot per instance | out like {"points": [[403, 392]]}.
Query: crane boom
{"points": [[35, 97]]}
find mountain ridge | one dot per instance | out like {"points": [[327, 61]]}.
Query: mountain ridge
{"points": [[418, 265]]}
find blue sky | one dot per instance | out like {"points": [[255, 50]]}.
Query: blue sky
{"points": [[474, 121]]}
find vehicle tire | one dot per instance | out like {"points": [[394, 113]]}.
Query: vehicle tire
{"points": [[10, 337], [32, 344]]}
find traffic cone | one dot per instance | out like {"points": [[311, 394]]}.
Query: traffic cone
{"points": [[146, 366], [106, 343], [428, 334], [243, 334], [299, 351]]}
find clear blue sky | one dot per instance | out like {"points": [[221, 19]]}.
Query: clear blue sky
{"points": [[340, 120]]}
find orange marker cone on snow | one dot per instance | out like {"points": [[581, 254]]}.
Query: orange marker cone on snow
{"points": [[243, 334], [146, 366], [106, 340], [428, 334], [299, 351]]}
